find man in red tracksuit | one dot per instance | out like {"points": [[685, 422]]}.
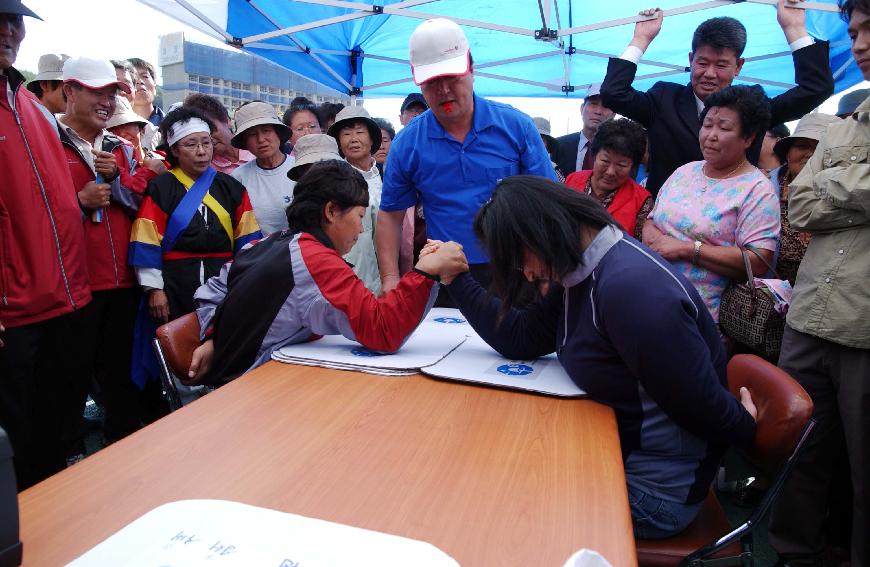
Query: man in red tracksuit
{"points": [[110, 187], [43, 270]]}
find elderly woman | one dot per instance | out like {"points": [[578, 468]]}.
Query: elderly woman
{"points": [[359, 138], [126, 124], [707, 211], [794, 152], [607, 300], [192, 220], [617, 151], [259, 131], [302, 119], [295, 285]]}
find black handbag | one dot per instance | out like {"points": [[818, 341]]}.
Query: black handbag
{"points": [[747, 314]]}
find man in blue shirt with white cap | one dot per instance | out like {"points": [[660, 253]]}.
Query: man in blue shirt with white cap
{"points": [[450, 158]]}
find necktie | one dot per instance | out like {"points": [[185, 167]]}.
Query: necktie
{"points": [[587, 158]]}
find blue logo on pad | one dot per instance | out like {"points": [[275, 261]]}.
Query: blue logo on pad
{"points": [[515, 369], [359, 351], [451, 320]]}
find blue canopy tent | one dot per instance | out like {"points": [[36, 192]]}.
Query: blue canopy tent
{"points": [[529, 48]]}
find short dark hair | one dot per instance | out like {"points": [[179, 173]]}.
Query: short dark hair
{"points": [[750, 103], [180, 114], [849, 6], [142, 64], [300, 104], [533, 213], [385, 125], [72, 84], [331, 180], [328, 111], [36, 88], [720, 33], [209, 106], [622, 136], [779, 131]]}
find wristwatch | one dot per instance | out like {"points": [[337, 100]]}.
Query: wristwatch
{"points": [[697, 255]]}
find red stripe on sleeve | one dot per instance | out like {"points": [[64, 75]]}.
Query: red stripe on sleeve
{"points": [[149, 210], [380, 324]]}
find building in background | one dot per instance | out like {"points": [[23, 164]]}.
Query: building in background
{"points": [[232, 76]]}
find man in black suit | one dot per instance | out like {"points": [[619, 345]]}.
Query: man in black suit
{"points": [[670, 111], [573, 154]]}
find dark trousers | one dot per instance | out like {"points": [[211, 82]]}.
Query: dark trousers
{"points": [[36, 366], [838, 380], [107, 325]]}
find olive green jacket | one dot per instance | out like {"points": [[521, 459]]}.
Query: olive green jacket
{"points": [[830, 198]]}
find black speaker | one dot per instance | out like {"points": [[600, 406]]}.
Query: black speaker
{"points": [[10, 544]]}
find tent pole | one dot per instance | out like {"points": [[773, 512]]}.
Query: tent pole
{"points": [[300, 45], [205, 19]]}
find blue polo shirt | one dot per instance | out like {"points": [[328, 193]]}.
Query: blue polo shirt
{"points": [[453, 180]]}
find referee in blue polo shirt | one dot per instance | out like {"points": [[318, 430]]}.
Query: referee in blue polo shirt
{"points": [[451, 157]]}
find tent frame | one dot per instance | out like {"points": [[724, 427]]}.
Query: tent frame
{"points": [[555, 36]]}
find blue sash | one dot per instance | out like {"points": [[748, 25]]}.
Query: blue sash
{"points": [[183, 213]]}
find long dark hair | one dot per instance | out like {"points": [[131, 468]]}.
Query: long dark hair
{"points": [[539, 215], [330, 180]]}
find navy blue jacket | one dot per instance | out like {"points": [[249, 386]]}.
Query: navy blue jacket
{"points": [[636, 336]]}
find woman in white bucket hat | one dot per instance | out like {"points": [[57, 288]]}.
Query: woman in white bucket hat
{"points": [[359, 138], [261, 132]]}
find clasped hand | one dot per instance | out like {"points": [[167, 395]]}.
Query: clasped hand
{"points": [[444, 259]]}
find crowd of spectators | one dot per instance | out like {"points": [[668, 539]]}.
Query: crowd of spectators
{"points": [[116, 217]]}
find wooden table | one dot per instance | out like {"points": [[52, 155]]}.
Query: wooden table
{"points": [[491, 477]]}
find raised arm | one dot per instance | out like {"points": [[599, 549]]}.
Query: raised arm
{"points": [[616, 90], [814, 82]]}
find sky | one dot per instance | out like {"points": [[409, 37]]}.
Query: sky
{"points": [[118, 29]]}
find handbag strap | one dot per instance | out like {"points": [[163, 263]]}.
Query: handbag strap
{"points": [[748, 266], [766, 263]]}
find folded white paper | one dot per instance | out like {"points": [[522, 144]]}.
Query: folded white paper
{"points": [[218, 533], [440, 332], [475, 361]]}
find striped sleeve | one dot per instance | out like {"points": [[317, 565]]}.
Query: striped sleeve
{"points": [[349, 308], [147, 235], [247, 228]]}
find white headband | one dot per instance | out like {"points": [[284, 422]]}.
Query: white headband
{"points": [[190, 126]]}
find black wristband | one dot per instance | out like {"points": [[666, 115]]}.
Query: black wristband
{"points": [[428, 275]]}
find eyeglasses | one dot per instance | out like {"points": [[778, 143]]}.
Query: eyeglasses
{"points": [[310, 128], [194, 146]]}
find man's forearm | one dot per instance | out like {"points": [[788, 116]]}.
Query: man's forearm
{"points": [[387, 237]]}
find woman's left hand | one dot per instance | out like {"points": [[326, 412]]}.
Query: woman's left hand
{"points": [[670, 248]]}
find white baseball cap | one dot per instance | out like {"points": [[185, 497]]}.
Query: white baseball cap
{"points": [[92, 73], [438, 48]]}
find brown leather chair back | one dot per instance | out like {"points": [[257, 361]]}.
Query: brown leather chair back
{"points": [[783, 406], [178, 339]]}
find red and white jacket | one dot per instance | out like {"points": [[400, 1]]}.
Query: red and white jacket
{"points": [[107, 241], [43, 270], [294, 287]]}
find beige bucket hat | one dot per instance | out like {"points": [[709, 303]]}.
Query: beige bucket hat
{"points": [[257, 114], [124, 115], [313, 148], [811, 126], [50, 67], [351, 114]]}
